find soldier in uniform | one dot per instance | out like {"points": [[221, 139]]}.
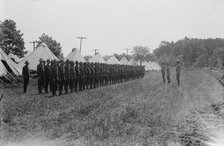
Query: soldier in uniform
{"points": [[40, 73], [168, 72], [47, 75], [61, 72], [26, 76], [54, 77], [66, 76], [178, 72], [77, 77], [96, 75], [72, 76], [81, 71], [163, 71], [92, 75]]}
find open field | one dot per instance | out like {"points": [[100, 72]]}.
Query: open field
{"points": [[139, 112]]}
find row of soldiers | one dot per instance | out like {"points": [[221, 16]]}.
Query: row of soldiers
{"points": [[77, 76]]}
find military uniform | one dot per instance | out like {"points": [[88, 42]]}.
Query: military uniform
{"points": [[168, 72], [178, 68], [77, 76], [26, 76], [72, 76], [66, 76], [47, 75], [54, 77], [61, 72], [163, 71], [40, 73]]}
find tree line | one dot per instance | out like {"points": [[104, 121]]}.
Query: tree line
{"points": [[193, 52]]}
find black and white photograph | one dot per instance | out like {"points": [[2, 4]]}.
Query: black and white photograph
{"points": [[111, 72]]}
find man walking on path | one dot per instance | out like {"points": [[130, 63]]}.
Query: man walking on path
{"points": [[178, 72], [163, 71], [168, 72], [26, 76]]}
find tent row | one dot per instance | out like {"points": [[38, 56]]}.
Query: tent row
{"points": [[8, 66]]}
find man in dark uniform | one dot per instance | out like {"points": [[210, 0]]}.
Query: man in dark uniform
{"points": [[61, 72], [96, 75], [92, 75], [178, 69], [54, 77], [40, 73], [168, 72], [26, 76], [72, 76], [81, 74], [47, 75], [66, 76], [77, 73], [163, 71]]}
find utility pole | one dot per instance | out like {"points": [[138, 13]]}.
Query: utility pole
{"points": [[95, 50], [81, 38], [127, 50], [34, 43]]}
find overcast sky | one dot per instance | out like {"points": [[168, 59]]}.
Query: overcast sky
{"points": [[114, 25]]}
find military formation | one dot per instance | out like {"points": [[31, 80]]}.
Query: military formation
{"points": [[63, 77]]}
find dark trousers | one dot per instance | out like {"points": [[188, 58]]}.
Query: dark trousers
{"points": [[47, 82], [60, 86], [66, 82], [54, 87], [168, 78], [71, 85], [164, 80], [178, 79], [40, 84], [76, 85], [25, 84]]}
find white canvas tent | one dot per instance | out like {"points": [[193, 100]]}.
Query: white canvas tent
{"points": [[147, 66], [41, 52], [74, 55], [113, 60], [97, 58], [7, 65], [124, 61], [133, 62]]}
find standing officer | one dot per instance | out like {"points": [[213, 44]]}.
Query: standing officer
{"points": [[54, 77], [72, 76], [61, 73], [163, 71], [77, 73], [67, 76], [47, 75], [168, 72], [178, 72], [26, 76], [40, 73]]}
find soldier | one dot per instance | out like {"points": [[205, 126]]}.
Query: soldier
{"points": [[54, 77], [66, 76], [40, 73], [61, 72], [178, 72], [47, 75], [168, 72], [92, 75], [72, 76], [26, 76], [163, 71], [81, 73], [96, 78], [77, 73]]}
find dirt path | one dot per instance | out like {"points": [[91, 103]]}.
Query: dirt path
{"points": [[140, 112]]}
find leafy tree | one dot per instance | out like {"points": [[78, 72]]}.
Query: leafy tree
{"points": [[11, 39], [53, 45], [140, 53]]}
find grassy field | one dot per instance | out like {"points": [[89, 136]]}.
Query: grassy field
{"points": [[139, 112]]}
